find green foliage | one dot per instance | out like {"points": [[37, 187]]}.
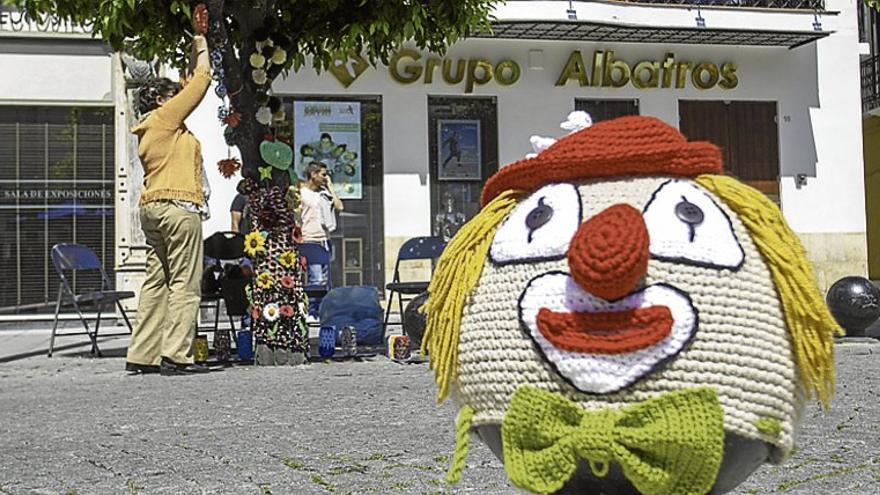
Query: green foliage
{"points": [[317, 32], [318, 29]]}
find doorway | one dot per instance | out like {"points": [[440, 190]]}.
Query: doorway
{"points": [[463, 154], [358, 241]]}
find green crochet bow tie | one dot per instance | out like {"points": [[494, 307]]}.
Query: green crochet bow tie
{"points": [[668, 445]]}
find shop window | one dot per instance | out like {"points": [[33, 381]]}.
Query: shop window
{"points": [[346, 134], [600, 110], [56, 185], [463, 153], [745, 131]]}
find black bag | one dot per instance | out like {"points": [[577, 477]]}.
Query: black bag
{"points": [[211, 278]]}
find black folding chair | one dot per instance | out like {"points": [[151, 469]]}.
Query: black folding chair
{"points": [[315, 254], [417, 248], [73, 258], [224, 246]]}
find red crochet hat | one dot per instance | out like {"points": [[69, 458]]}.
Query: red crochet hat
{"points": [[614, 148]]}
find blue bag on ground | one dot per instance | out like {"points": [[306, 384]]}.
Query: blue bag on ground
{"points": [[357, 306]]}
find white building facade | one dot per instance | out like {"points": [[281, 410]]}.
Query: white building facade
{"points": [[776, 88]]}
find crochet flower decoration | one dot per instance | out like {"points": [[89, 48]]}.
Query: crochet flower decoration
{"points": [[259, 76], [254, 243], [232, 119], [287, 259], [279, 56], [264, 115], [265, 280], [287, 310], [256, 311], [228, 167], [288, 282], [257, 60], [271, 312]]}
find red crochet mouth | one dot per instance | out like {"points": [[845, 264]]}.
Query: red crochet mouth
{"points": [[612, 332]]}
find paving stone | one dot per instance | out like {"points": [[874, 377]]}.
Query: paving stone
{"points": [[77, 425]]}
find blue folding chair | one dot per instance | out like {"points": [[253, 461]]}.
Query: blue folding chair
{"points": [[73, 258], [417, 248], [315, 254]]}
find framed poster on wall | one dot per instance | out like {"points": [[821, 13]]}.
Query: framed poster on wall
{"points": [[330, 132], [458, 152]]}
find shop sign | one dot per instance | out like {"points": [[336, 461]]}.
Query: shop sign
{"points": [[605, 70], [41, 195], [406, 67], [609, 72], [19, 22]]}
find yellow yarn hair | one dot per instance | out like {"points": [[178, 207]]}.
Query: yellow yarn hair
{"points": [[810, 324], [456, 276]]}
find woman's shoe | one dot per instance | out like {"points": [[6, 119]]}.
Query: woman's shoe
{"points": [[140, 369], [170, 368]]}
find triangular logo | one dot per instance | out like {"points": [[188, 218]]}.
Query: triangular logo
{"points": [[346, 69]]}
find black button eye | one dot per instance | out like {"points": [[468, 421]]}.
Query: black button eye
{"points": [[690, 214], [538, 217]]}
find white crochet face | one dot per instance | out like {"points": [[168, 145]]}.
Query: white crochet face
{"points": [[599, 345]]}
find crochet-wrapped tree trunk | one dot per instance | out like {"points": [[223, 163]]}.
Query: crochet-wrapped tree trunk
{"points": [[278, 304], [256, 124]]}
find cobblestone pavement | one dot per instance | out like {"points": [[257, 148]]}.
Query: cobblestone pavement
{"points": [[75, 425]]}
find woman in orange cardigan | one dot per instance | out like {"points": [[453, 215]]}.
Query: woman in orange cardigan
{"points": [[171, 202]]}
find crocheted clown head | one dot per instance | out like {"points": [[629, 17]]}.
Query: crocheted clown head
{"points": [[619, 310]]}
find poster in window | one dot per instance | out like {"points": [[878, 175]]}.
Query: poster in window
{"points": [[330, 132], [458, 150]]}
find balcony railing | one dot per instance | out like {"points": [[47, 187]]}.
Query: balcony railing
{"points": [[870, 83], [762, 4]]}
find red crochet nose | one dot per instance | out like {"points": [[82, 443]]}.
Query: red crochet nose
{"points": [[608, 255]]}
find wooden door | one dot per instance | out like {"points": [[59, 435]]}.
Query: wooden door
{"points": [[746, 132]]}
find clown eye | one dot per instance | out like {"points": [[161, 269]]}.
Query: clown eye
{"points": [[686, 225], [538, 217], [540, 227]]}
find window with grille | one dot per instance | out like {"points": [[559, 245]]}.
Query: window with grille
{"points": [[600, 110], [56, 185]]}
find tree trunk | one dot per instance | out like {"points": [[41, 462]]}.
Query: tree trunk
{"points": [[276, 297]]}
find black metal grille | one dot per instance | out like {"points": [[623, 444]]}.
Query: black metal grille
{"points": [[762, 4], [56, 185], [871, 83], [595, 31]]}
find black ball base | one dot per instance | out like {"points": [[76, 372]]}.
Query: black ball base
{"points": [[855, 304]]}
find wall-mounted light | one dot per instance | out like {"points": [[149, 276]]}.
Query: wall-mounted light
{"points": [[701, 22], [800, 180], [817, 24], [572, 14]]}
